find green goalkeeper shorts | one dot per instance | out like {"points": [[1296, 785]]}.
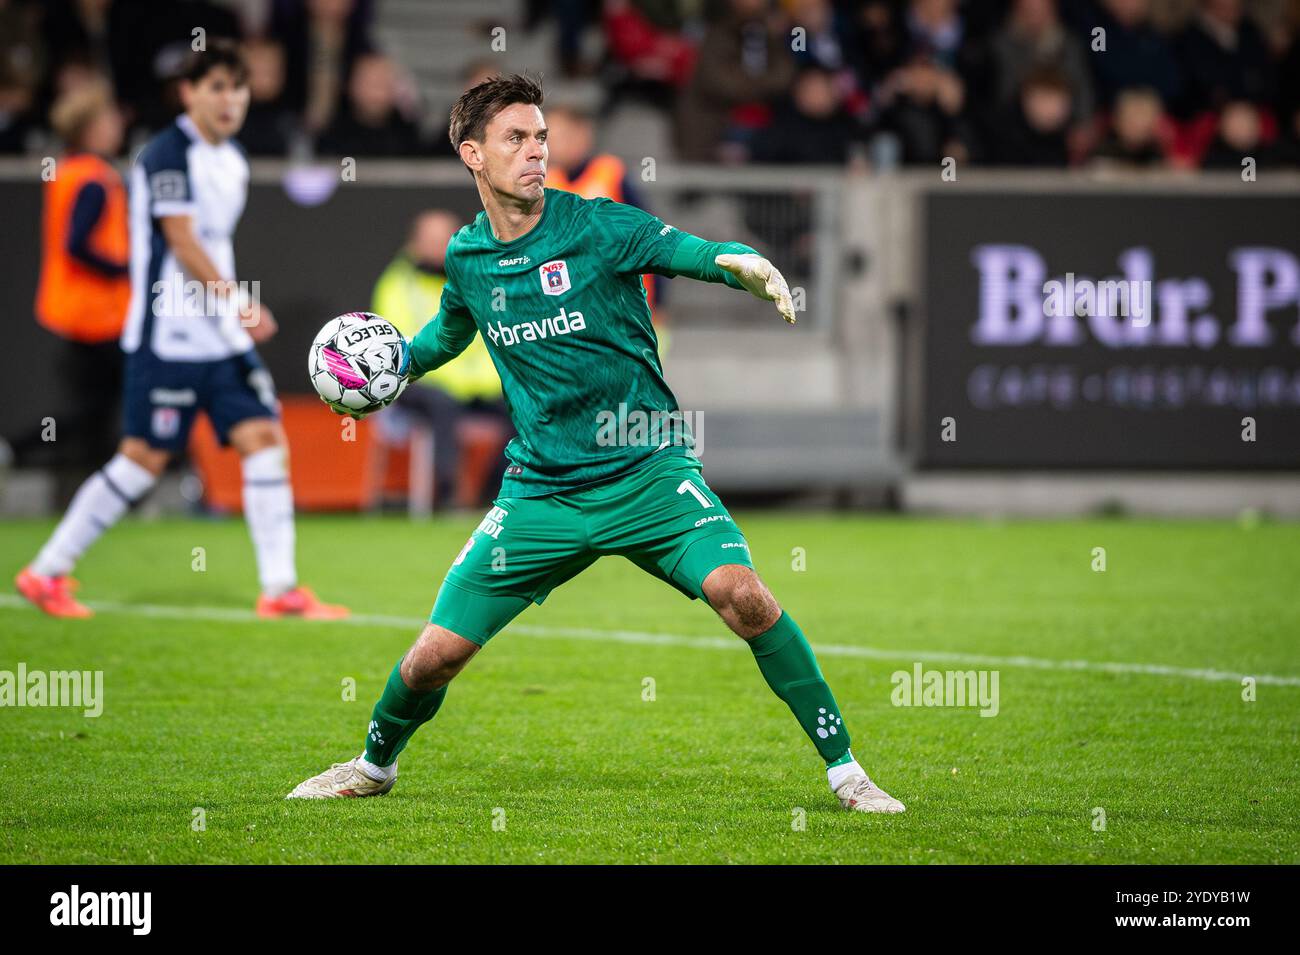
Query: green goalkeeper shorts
{"points": [[662, 517]]}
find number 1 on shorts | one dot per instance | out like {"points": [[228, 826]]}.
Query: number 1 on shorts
{"points": [[689, 485]]}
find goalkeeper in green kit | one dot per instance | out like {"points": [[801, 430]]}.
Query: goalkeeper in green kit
{"points": [[603, 462]]}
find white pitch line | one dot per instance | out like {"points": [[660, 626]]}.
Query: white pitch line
{"points": [[237, 615]]}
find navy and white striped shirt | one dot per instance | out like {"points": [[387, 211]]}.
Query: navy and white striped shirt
{"points": [[179, 173]]}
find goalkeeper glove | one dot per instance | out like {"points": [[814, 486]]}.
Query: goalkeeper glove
{"points": [[760, 278]]}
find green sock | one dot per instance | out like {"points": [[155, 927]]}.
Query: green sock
{"points": [[787, 663], [397, 715]]}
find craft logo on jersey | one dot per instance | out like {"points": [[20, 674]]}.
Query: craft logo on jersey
{"points": [[555, 277]]}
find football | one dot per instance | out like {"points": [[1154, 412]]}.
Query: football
{"points": [[358, 363]]}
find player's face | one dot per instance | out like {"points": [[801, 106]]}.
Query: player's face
{"points": [[216, 103], [515, 153]]}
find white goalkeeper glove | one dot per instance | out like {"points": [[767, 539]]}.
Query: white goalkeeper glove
{"points": [[761, 278]]}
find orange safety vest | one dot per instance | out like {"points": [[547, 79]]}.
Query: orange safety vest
{"points": [[601, 179], [73, 300]]}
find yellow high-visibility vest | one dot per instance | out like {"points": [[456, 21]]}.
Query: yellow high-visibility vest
{"points": [[409, 299]]}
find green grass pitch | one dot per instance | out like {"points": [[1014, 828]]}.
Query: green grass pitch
{"points": [[548, 751]]}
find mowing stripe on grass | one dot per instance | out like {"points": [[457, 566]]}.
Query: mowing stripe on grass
{"points": [[239, 615]]}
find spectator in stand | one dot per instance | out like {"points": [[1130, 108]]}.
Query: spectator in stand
{"points": [[1224, 57], [744, 64], [886, 34], [571, 20], [922, 104], [322, 40], [826, 43], [878, 41], [22, 61], [646, 41], [271, 125], [77, 31], [371, 124], [811, 126], [1136, 55], [1034, 130], [1134, 140], [822, 41], [1033, 37], [935, 30], [149, 42], [914, 67], [1240, 136]]}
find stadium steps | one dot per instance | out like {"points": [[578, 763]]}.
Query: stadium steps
{"points": [[437, 43]]}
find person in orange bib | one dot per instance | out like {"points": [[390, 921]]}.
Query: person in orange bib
{"points": [[84, 287]]}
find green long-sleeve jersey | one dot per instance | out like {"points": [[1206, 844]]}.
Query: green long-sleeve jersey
{"points": [[563, 313]]}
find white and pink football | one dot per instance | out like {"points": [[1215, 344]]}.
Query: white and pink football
{"points": [[358, 363]]}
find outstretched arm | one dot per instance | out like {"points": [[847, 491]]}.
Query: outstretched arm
{"points": [[638, 242], [735, 264]]}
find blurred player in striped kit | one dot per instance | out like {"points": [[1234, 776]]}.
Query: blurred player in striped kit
{"points": [[189, 341]]}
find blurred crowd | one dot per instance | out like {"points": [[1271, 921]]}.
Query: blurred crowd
{"points": [[1055, 83], [1136, 83], [317, 81]]}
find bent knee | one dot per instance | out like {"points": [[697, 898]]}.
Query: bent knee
{"points": [[438, 655], [743, 599]]}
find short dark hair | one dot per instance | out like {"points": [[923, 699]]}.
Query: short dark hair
{"points": [[217, 52], [478, 104]]}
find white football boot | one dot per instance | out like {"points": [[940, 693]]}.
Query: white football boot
{"points": [[860, 794], [341, 781]]}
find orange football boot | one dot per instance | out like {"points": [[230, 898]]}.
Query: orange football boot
{"points": [[51, 594], [299, 602]]}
